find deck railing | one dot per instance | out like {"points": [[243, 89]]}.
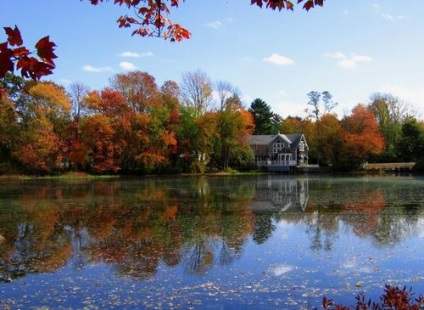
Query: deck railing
{"points": [[266, 163]]}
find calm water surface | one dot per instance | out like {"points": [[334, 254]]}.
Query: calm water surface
{"points": [[263, 242]]}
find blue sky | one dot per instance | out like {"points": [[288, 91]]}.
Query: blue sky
{"points": [[350, 48]]}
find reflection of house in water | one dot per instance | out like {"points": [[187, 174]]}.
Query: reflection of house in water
{"points": [[277, 194]]}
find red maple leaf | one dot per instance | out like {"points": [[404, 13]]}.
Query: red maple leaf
{"points": [[20, 52], [13, 36], [32, 68], [6, 63], [45, 50]]}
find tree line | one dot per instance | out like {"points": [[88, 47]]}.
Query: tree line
{"points": [[131, 126], [135, 126]]}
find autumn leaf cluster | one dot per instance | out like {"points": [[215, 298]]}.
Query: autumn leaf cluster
{"points": [[14, 56]]}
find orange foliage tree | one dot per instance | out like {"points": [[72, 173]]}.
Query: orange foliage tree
{"points": [[362, 136], [104, 152], [41, 142], [329, 142], [40, 149], [102, 137]]}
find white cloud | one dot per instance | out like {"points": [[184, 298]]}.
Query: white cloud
{"points": [[135, 54], [278, 60], [128, 66], [393, 18], [89, 68], [336, 55], [147, 54], [361, 58], [348, 62], [386, 16], [215, 24], [129, 54]]}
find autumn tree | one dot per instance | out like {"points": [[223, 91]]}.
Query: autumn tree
{"points": [[151, 136], [9, 128], [329, 145], [40, 150], [362, 136], [171, 93], [99, 151], [139, 88], [235, 125], [291, 125], [45, 119]]}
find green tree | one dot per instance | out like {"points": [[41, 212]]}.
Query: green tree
{"points": [[411, 144], [235, 125], [262, 117], [389, 113], [196, 136]]}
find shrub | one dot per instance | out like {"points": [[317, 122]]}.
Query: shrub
{"points": [[394, 298]]}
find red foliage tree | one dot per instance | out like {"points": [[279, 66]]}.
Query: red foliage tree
{"points": [[362, 135]]}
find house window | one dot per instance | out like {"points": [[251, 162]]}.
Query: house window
{"points": [[277, 147]]}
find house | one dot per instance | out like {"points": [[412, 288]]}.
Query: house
{"points": [[280, 152]]}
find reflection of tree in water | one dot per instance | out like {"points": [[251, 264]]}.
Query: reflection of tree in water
{"points": [[264, 227], [135, 226], [200, 256], [34, 240], [322, 231], [364, 208], [227, 254], [396, 223], [206, 252]]}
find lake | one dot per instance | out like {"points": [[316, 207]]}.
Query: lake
{"points": [[245, 242]]}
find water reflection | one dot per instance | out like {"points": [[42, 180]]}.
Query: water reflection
{"points": [[197, 223]]}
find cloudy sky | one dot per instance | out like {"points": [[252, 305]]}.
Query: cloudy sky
{"points": [[350, 48]]}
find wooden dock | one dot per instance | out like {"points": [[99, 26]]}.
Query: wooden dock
{"points": [[388, 167]]}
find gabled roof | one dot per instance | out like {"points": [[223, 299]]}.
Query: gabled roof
{"points": [[295, 139], [292, 139]]}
